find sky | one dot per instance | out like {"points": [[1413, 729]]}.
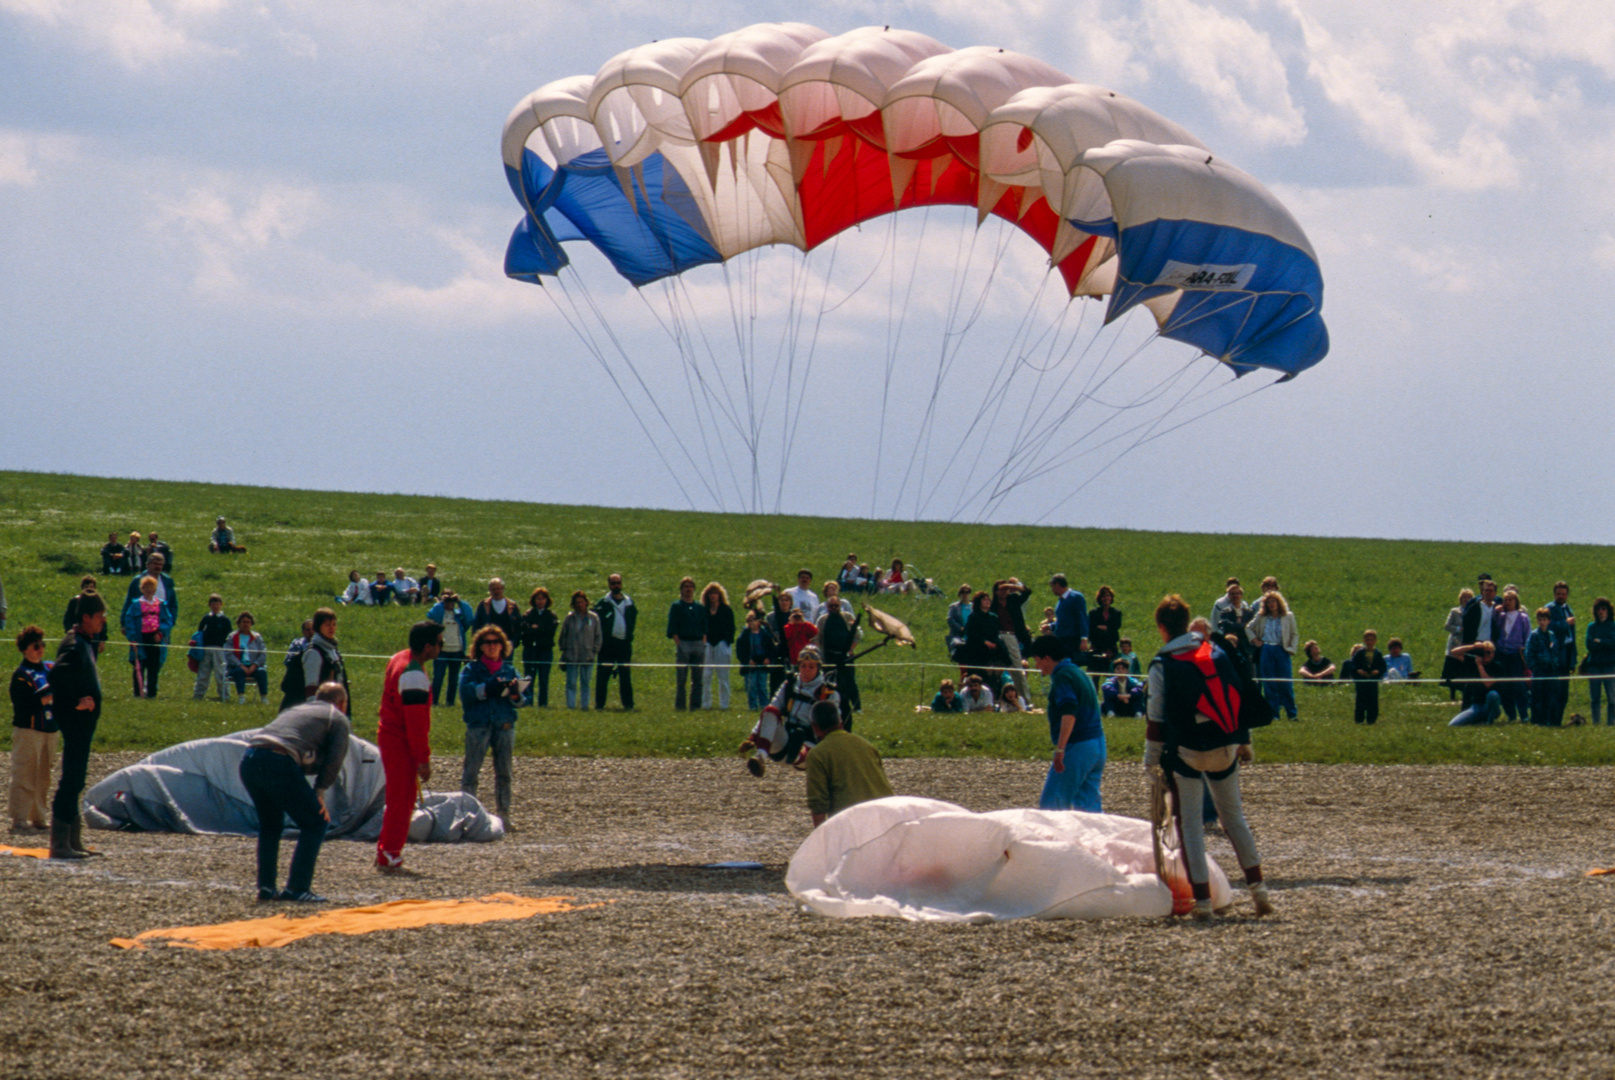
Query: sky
{"points": [[263, 243]]}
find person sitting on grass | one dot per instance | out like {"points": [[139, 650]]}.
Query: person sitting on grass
{"points": [[381, 590], [1010, 700], [947, 699], [246, 657], [114, 556], [1123, 694], [843, 770], [357, 592], [977, 697], [1317, 668], [784, 731], [223, 540], [1398, 664], [405, 589], [431, 586]]}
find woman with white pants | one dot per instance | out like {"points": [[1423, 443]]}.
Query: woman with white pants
{"points": [[720, 644]]}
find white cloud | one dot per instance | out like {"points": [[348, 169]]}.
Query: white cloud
{"points": [[137, 33], [1232, 63], [24, 154]]}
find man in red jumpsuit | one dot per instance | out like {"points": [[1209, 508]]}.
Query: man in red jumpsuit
{"points": [[404, 737]]}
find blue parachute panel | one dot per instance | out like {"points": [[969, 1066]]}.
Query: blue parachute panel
{"points": [[1248, 299], [658, 234]]}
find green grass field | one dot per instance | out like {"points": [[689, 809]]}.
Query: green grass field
{"points": [[303, 543]]}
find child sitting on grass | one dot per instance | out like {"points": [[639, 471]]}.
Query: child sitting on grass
{"points": [[947, 699]]}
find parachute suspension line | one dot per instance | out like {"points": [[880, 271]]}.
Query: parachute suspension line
{"points": [[956, 337], [807, 367], [786, 352], [600, 320], [961, 269], [1036, 469], [580, 329], [1029, 462], [995, 397], [894, 333], [1151, 437], [693, 379]]}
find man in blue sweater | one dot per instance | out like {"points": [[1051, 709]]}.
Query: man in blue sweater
{"points": [[1075, 730]]}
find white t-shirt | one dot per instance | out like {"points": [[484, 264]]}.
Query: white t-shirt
{"points": [[806, 601]]}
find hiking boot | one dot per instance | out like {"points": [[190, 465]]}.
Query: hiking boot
{"points": [[61, 841], [754, 765], [300, 897], [1263, 902], [75, 840], [1202, 911]]}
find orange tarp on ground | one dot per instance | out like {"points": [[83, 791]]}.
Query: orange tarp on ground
{"points": [[26, 852], [1601, 873], [278, 930]]}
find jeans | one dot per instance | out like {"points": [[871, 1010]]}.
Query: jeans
{"points": [[716, 671], [688, 656], [239, 676], [1602, 680], [502, 737], [446, 665], [1273, 663], [78, 729], [615, 656], [210, 668], [536, 666], [756, 687], [1481, 712], [577, 685], [1077, 788], [278, 790]]}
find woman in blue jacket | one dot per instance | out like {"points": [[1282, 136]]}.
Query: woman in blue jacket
{"points": [[489, 691], [1600, 662]]}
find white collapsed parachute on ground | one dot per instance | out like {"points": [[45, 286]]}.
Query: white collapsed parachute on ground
{"points": [[932, 861], [195, 787], [683, 160]]}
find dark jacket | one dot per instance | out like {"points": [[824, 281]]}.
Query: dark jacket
{"points": [[74, 676], [510, 620], [538, 630], [981, 630], [215, 629], [608, 618], [1471, 624], [721, 625], [686, 620], [30, 683], [70, 618], [1366, 666], [761, 654], [1601, 645]]}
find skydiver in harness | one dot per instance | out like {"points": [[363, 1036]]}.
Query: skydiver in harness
{"points": [[1194, 742], [784, 731]]}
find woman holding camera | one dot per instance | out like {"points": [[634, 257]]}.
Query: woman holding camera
{"points": [[489, 691]]}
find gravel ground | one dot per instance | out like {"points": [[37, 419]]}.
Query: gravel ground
{"points": [[1432, 922]]}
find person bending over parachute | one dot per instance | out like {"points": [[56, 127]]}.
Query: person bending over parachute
{"points": [[687, 153]]}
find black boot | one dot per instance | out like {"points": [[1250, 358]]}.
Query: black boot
{"points": [[75, 840], [61, 841]]}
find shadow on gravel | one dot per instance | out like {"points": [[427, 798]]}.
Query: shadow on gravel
{"points": [[671, 878], [1341, 882]]}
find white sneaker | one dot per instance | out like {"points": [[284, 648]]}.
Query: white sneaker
{"points": [[1263, 902]]}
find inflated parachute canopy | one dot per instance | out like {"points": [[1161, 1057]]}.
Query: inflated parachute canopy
{"points": [[686, 152]]}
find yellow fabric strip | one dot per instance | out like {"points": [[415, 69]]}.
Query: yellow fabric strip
{"points": [[1600, 873], [278, 930], [26, 852]]}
